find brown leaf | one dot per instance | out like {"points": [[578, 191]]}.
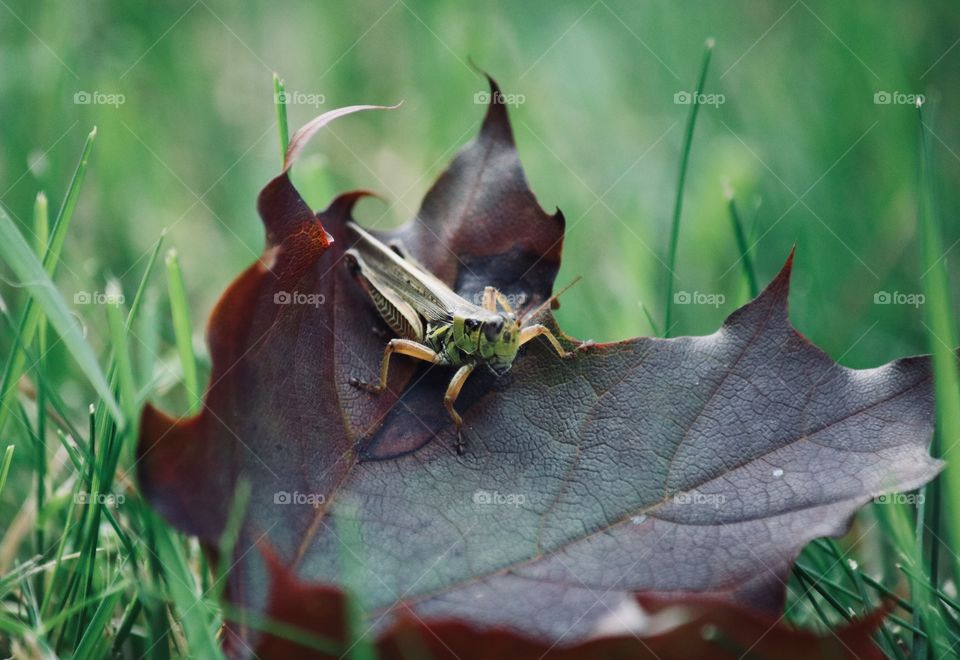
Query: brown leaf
{"points": [[696, 466]]}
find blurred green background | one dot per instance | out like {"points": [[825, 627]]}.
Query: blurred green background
{"points": [[598, 130], [812, 129]]}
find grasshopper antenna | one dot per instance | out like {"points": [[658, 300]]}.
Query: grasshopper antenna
{"points": [[549, 301]]}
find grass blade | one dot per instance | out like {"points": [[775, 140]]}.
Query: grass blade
{"points": [[942, 334], [18, 255], [95, 637], [181, 328], [681, 183], [121, 353], [280, 99], [5, 466], [41, 230], [31, 314], [142, 287], [191, 610], [741, 236]]}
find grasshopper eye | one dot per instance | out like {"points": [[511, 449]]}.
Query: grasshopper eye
{"points": [[471, 324], [492, 329]]}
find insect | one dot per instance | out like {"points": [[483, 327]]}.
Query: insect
{"points": [[436, 325]]}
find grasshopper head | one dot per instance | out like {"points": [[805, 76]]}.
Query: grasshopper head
{"points": [[500, 339]]}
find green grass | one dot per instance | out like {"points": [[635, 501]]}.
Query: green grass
{"points": [[280, 98], [103, 570], [681, 186], [743, 248], [180, 313], [91, 575], [5, 465], [31, 318]]}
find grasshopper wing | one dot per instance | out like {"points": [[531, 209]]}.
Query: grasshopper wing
{"points": [[402, 318], [402, 281]]}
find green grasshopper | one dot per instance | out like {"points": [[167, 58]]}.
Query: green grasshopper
{"points": [[436, 325]]}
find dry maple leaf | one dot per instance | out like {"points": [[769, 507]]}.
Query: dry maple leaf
{"points": [[672, 468]]}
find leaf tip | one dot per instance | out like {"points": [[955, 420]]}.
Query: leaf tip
{"points": [[496, 122], [343, 204], [789, 264], [776, 292], [300, 139], [782, 280], [779, 287]]}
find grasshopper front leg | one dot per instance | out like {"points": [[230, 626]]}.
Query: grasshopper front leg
{"points": [[533, 331], [424, 353], [453, 391], [403, 347]]}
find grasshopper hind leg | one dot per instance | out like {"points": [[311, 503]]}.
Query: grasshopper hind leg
{"points": [[403, 347]]}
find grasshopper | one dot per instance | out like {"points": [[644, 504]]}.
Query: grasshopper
{"points": [[436, 325]]}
